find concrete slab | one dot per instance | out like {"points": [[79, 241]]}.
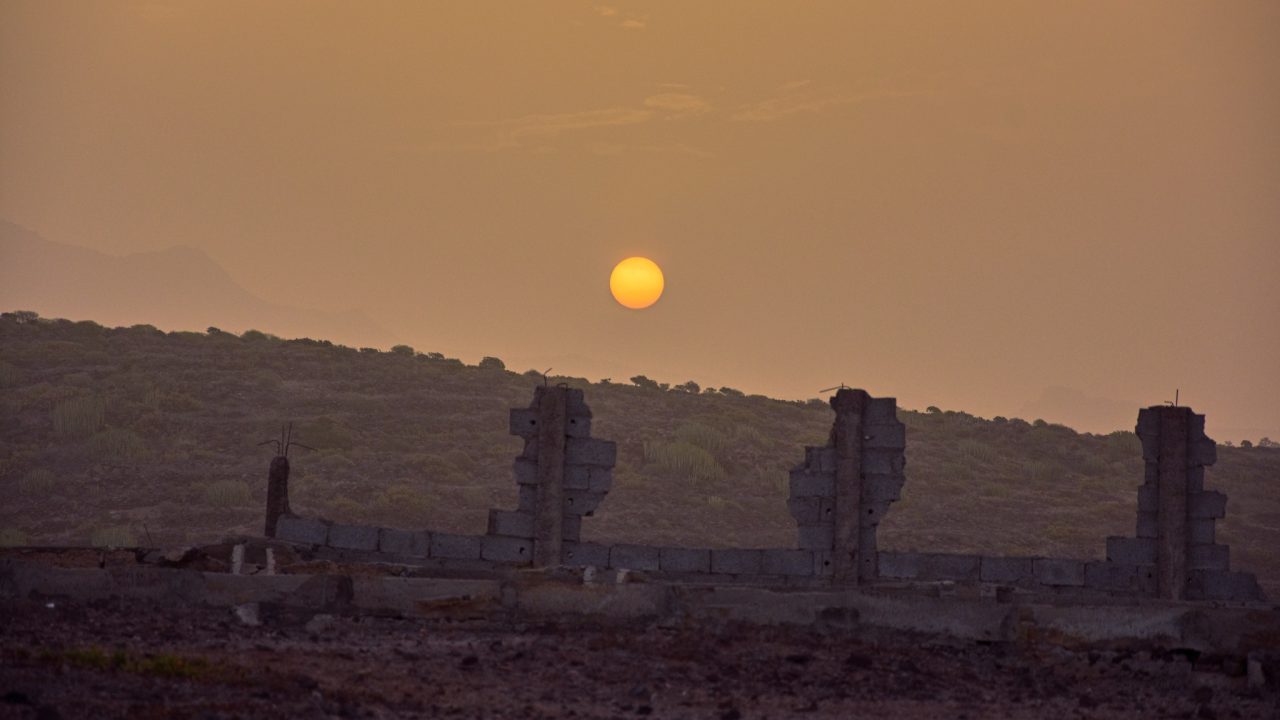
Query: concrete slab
{"points": [[779, 561], [301, 530], [1005, 570], [416, 543], [1059, 571], [736, 561], [684, 560], [1131, 551], [455, 547], [634, 557], [514, 551], [510, 524], [585, 554], [354, 537]]}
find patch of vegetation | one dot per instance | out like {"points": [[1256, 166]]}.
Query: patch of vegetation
{"points": [[158, 665]]}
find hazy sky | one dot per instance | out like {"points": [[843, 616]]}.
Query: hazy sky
{"points": [[961, 204]]}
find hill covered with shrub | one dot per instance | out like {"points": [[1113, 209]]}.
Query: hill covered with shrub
{"points": [[133, 435]]}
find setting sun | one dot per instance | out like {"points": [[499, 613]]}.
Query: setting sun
{"points": [[636, 282]]}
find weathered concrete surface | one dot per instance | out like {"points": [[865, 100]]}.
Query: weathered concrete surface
{"points": [[548, 534], [1171, 490], [847, 438]]}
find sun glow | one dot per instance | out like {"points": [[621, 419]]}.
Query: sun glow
{"points": [[636, 282]]}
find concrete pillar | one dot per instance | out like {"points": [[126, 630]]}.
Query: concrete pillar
{"points": [[277, 493], [846, 436], [1171, 502], [553, 417]]}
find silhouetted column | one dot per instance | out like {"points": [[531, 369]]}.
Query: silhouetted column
{"points": [[549, 515], [277, 493], [1171, 503], [846, 436]]}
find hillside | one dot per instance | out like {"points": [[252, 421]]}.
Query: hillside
{"points": [[134, 435]]}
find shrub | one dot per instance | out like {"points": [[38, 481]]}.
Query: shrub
{"points": [[491, 363], [113, 536], [78, 417], [227, 494], [402, 350], [9, 375], [682, 458], [705, 437], [118, 445], [40, 482]]}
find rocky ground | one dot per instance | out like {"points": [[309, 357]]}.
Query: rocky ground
{"points": [[111, 659]]}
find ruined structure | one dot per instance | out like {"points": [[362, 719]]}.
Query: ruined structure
{"points": [[838, 497]]}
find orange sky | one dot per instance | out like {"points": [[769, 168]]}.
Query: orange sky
{"points": [[961, 204]]}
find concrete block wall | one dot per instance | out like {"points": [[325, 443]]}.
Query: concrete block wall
{"points": [[582, 476], [1175, 536], [842, 490], [872, 466]]}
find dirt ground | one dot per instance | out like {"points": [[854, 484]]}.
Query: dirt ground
{"points": [[109, 659]]}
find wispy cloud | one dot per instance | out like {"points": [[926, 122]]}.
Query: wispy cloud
{"points": [[629, 21], [678, 103], [800, 97]]}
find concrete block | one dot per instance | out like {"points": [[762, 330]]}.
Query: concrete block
{"points": [[524, 422], [1118, 577], [1221, 585], [601, 479], [684, 560], [877, 461], [873, 513], [1131, 551], [805, 510], [516, 551], [736, 562], [510, 524], [1195, 479], [946, 566], [1202, 452], [786, 562], [578, 427], [590, 451], [1005, 570], [816, 537], [1209, 504], [584, 554], [571, 528], [525, 471], [823, 564], [880, 410], [455, 547], [577, 477], [527, 501], [1201, 531], [1148, 498], [301, 530], [805, 483], [576, 404], [530, 451], [1208, 557], [1195, 427], [1059, 571], [415, 543], [634, 557], [1148, 421], [820, 459], [588, 478], [881, 488], [353, 537], [1150, 446], [899, 565], [1147, 525], [579, 502], [889, 435]]}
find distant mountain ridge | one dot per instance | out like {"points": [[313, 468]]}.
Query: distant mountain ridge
{"points": [[178, 288]]}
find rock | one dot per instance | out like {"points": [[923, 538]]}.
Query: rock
{"points": [[1257, 678], [248, 614]]}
